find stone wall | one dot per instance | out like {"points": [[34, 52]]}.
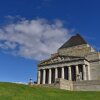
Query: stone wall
{"points": [[65, 84], [95, 70], [93, 85], [94, 60], [79, 50], [93, 56]]}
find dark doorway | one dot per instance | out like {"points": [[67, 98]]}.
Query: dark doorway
{"points": [[52, 75], [81, 72], [47, 76], [59, 72], [66, 73], [73, 71]]}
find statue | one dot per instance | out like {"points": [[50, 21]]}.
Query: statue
{"points": [[30, 82]]}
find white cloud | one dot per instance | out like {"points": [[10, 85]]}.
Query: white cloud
{"points": [[34, 39]]}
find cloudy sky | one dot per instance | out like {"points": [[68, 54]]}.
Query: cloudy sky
{"points": [[31, 30]]}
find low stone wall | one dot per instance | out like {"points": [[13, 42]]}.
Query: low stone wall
{"points": [[48, 85], [93, 85], [64, 84]]}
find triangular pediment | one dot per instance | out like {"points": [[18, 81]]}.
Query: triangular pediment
{"points": [[59, 59]]}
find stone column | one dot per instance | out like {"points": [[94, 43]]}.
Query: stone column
{"points": [[84, 72], [49, 76], [62, 74], [69, 73], [56, 73], [44, 74], [39, 76], [88, 70], [77, 72]]}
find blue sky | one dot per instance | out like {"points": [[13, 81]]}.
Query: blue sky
{"points": [[30, 28]]}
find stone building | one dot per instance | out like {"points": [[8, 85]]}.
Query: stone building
{"points": [[75, 66]]}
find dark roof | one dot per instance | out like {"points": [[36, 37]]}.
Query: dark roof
{"points": [[74, 41]]}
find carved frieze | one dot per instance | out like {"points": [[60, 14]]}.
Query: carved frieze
{"points": [[58, 59]]}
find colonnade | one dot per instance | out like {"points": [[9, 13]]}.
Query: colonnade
{"points": [[72, 73]]}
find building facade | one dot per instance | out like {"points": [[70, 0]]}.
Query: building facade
{"points": [[76, 63]]}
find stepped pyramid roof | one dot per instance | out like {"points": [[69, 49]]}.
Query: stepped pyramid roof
{"points": [[74, 41]]}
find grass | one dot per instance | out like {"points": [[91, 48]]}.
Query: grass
{"points": [[12, 91]]}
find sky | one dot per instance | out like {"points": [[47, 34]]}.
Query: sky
{"points": [[31, 30]]}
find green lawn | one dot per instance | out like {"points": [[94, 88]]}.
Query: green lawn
{"points": [[11, 91]]}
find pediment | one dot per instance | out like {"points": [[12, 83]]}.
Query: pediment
{"points": [[59, 59]]}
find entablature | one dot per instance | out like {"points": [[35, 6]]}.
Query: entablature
{"points": [[60, 59]]}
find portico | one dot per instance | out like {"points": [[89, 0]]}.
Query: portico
{"points": [[71, 71]]}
